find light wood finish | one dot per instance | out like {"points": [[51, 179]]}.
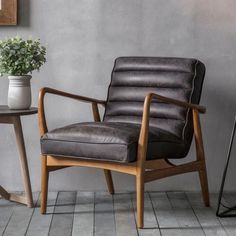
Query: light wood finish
{"points": [[19, 198], [54, 161], [143, 170], [174, 170], [4, 193], [44, 184], [13, 117], [8, 12], [149, 218], [12, 196], [42, 120], [201, 157], [109, 181], [176, 102], [94, 102], [157, 164], [23, 160]]}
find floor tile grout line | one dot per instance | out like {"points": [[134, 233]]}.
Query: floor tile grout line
{"points": [[172, 209], [94, 199], [7, 223], [221, 222], [76, 197], [133, 208], [34, 206], [49, 228], [218, 219], [113, 205], [158, 225], [186, 196], [73, 213]]}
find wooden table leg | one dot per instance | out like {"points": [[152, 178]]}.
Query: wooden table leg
{"points": [[23, 160], [4, 193]]}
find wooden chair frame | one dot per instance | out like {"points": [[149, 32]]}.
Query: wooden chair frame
{"points": [[144, 170]]}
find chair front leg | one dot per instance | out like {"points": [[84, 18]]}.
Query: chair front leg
{"points": [[140, 197], [44, 184], [141, 158]]}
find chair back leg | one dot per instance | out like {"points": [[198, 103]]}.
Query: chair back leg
{"points": [[204, 187], [44, 184], [109, 181], [201, 157]]}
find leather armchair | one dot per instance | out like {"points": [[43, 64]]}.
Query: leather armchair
{"points": [[151, 115]]}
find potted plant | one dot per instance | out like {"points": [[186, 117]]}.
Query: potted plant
{"points": [[18, 58]]}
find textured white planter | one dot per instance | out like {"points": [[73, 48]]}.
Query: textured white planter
{"points": [[19, 92]]}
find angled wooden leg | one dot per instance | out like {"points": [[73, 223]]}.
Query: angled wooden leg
{"points": [[201, 157], [4, 193], [44, 184], [23, 160], [109, 181], [204, 187]]}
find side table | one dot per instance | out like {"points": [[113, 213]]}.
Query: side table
{"points": [[8, 116]]}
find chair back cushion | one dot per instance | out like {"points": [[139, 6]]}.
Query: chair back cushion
{"points": [[134, 77]]}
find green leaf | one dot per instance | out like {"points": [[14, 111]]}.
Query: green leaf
{"points": [[18, 56]]}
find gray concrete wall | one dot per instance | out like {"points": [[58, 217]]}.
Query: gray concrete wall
{"points": [[84, 37]]}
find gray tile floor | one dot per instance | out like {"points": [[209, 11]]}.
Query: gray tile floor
{"points": [[88, 213]]}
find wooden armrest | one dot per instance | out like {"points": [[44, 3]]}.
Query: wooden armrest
{"points": [[41, 111], [176, 102], [45, 90], [143, 136]]}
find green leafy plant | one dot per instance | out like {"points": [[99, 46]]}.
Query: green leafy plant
{"points": [[20, 57]]}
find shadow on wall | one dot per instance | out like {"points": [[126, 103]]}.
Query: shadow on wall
{"points": [[24, 13]]}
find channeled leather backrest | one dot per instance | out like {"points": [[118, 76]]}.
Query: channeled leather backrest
{"points": [[134, 77]]}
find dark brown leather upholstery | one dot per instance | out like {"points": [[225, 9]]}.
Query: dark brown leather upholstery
{"points": [[115, 139]]}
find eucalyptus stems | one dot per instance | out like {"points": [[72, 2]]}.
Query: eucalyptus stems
{"points": [[20, 57]]}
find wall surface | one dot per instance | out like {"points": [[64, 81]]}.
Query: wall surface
{"points": [[84, 37]]}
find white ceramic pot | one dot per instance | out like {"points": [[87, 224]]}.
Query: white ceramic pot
{"points": [[19, 92]]}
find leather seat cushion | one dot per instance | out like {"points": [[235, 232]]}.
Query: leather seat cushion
{"points": [[110, 141]]}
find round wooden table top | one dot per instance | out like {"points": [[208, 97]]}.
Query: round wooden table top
{"points": [[6, 111]]}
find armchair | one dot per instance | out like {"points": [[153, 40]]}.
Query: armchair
{"points": [[151, 115]]}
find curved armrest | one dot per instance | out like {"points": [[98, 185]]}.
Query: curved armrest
{"points": [[176, 102], [41, 111], [143, 136]]}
